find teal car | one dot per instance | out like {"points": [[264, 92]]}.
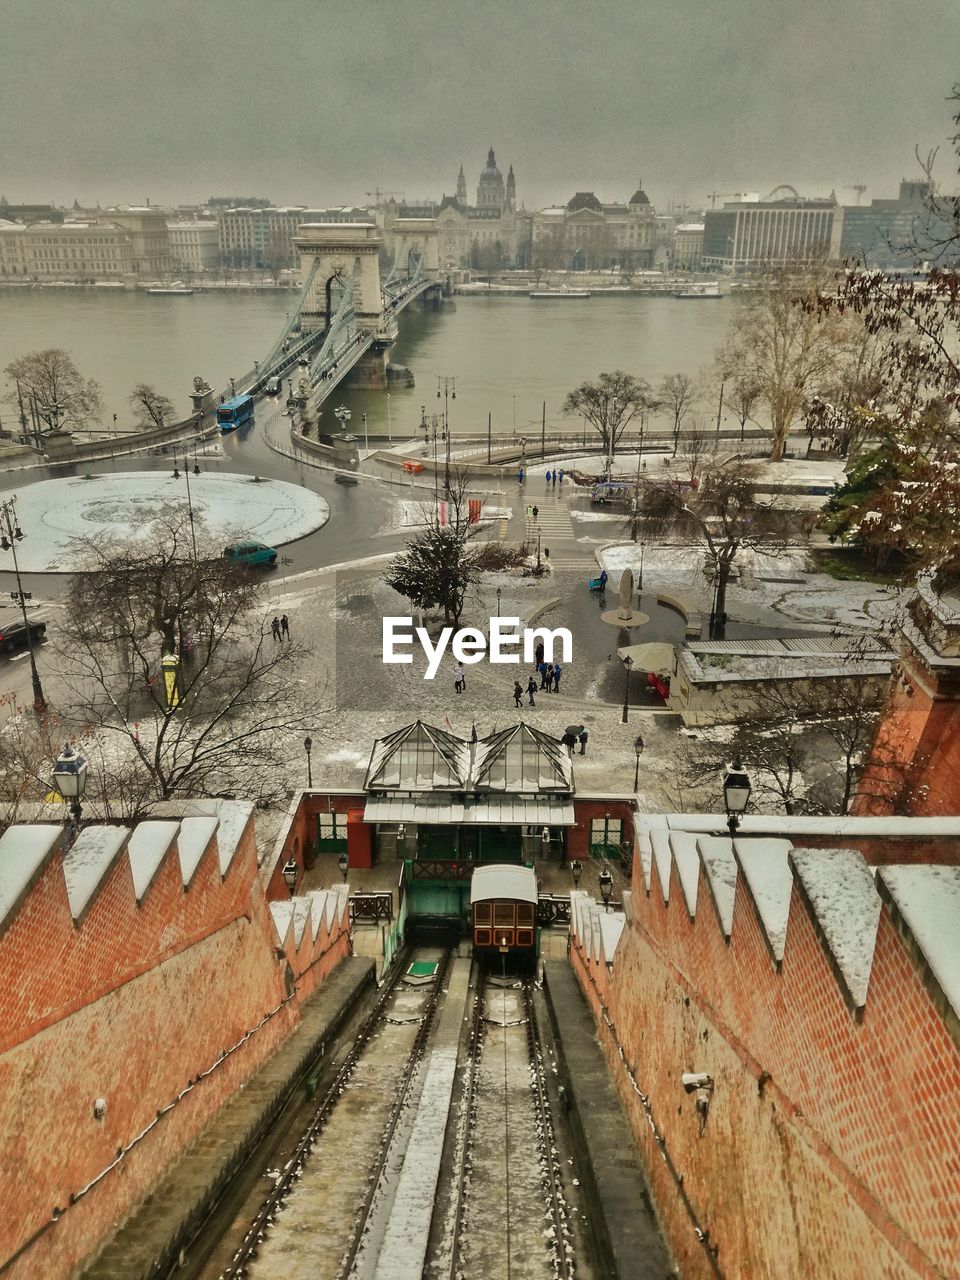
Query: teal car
{"points": [[250, 553]]}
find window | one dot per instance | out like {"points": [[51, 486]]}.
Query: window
{"points": [[503, 913]]}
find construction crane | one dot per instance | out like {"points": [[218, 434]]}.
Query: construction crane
{"points": [[714, 196], [376, 195], [858, 187]]}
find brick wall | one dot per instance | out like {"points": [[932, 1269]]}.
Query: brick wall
{"points": [[578, 836], [832, 1143], [133, 1005]]}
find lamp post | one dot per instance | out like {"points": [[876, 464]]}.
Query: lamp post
{"points": [[10, 535], [343, 862], [576, 870], [499, 594], [638, 748], [389, 422], [70, 779], [289, 874], [308, 747], [449, 386], [736, 794], [606, 887], [640, 574], [186, 476], [366, 440], [627, 664]]}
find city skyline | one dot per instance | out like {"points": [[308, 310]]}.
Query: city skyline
{"points": [[178, 104]]}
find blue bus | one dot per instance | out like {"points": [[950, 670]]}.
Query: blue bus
{"points": [[233, 413]]}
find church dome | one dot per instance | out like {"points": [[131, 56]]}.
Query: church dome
{"points": [[491, 172], [584, 200], [639, 197]]}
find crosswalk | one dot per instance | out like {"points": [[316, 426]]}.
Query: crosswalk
{"points": [[550, 522]]}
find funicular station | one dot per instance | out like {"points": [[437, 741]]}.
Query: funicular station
{"points": [[449, 805], [438, 807]]}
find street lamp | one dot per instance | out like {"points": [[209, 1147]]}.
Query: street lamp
{"points": [[449, 386], [638, 748], [343, 862], [289, 874], [576, 870], [606, 887], [736, 794], [10, 535], [627, 664], [70, 778], [366, 440], [499, 594], [308, 747]]}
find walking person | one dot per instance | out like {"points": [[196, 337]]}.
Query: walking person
{"points": [[536, 512], [548, 477], [460, 678], [542, 668], [554, 477], [275, 628], [539, 652], [582, 739], [557, 673], [285, 627], [519, 475], [532, 691], [561, 477], [517, 693]]}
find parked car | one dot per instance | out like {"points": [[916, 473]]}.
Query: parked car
{"points": [[250, 553], [273, 386], [13, 636]]}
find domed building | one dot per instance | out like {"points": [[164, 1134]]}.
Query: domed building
{"points": [[587, 235]]}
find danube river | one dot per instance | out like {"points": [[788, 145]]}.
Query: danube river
{"points": [[508, 355]]}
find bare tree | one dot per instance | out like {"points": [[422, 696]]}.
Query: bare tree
{"points": [[610, 404], [151, 407], [169, 664], [51, 385], [725, 513], [678, 394], [787, 352]]}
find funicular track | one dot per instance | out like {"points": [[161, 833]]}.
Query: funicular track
{"points": [[378, 1023], [508, 1164]]}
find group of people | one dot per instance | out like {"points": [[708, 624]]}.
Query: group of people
{"points": [[553, 476], [281, 629]]}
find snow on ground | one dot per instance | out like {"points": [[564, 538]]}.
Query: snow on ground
{"points": [[227, 507], [770, 587]]}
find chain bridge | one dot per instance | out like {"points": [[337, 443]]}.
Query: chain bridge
{"points": [[345, 320]]}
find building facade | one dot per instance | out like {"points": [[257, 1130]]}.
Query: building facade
{"points": [[195, 246], [65, 251], [745, 236], [898, 233], [585, 234], [263, 237], [688, 246]]}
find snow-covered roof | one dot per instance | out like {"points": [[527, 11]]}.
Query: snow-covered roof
{"points": [[521, 758], [840, 889], [24, 851], [282, 912], [503, 881], [767, 873], [660, 840], [87, 862], [928, 900], [147, 848], [720, 869], [683, 845], [195, 836], [234, 816]]}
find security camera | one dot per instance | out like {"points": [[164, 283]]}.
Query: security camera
{"points": [[694, 1080]]}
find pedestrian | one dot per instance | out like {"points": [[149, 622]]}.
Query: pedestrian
{"points": [[548, 477], [568, 741], [275, 628], [554, 477], [603, 579], [549, 675], [582, 738], [542, 668], [557, 673], [531, 691], [539, 652], [517, 693], [561, 477], [536, 512], [529, 513], [460, 678], [285, 627], [519, 475]]}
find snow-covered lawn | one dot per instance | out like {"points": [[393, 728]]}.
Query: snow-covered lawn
{"points": [[55, 513]]}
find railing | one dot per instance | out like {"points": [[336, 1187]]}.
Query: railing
{"points": [[552, 909], [430, 869], [371, 906]]}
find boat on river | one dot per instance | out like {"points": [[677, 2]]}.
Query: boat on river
{"points": [[708, 289], [559, 293], [175, 290]]}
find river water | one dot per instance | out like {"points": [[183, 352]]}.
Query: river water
{"points": [[508, 355]]}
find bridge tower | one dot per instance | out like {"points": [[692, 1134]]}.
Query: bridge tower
{"points": [[342, 251]]}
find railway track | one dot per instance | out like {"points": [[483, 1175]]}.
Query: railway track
{"points": [[314, 1213], [510, 1212]]}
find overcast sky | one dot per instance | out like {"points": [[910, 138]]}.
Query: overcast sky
{"points": [[322, 101]]}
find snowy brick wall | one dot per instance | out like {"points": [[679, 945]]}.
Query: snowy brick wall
{"points": [[825, 1147]]}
